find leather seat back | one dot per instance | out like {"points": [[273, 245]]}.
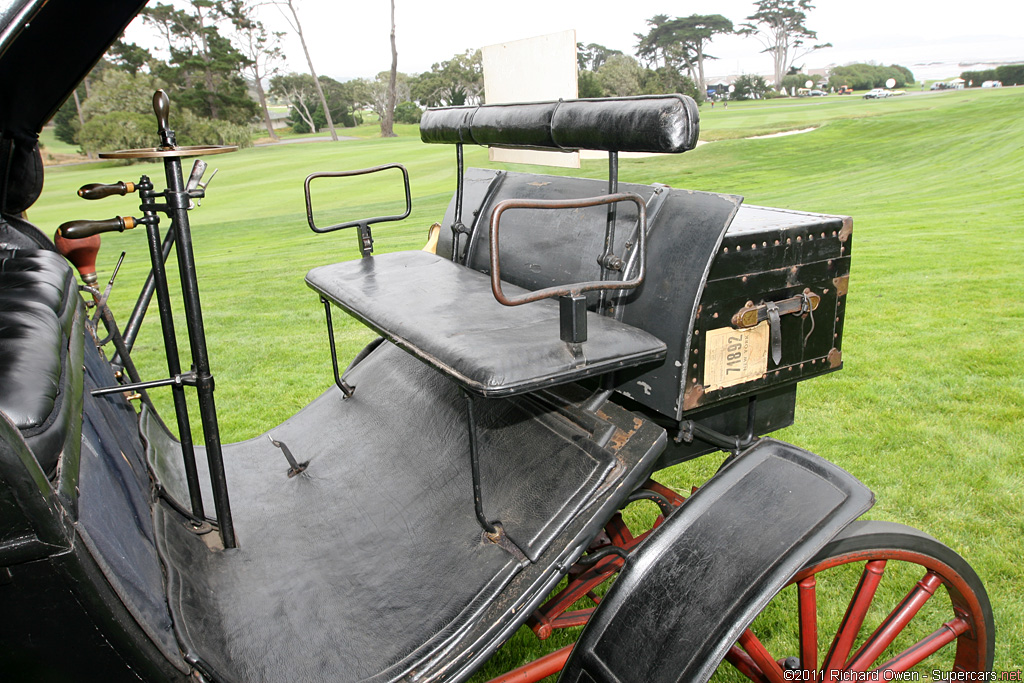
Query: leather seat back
{"points": [[40, 350]]}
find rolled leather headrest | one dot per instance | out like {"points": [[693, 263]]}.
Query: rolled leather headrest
{"points": [[649, 123]]}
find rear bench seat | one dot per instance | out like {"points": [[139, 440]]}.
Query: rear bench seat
{"points": [[38, 321], [445, 313]]}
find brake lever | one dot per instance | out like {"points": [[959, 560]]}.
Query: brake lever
{"points": [[110, 285], [198, 169], [194, 183]]}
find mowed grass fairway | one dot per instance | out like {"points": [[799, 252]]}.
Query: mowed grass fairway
{"points": [[928, 412]]}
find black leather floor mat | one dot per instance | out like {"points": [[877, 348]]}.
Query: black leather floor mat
{"points": [[345, 570]]}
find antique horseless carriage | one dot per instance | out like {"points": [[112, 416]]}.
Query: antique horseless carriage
{"points": [[559, 341]]}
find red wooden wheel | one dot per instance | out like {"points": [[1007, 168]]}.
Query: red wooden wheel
{"points": [[879, 597]]}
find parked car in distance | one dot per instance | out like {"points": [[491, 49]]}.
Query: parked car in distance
{"points": [[818, 93], [876, 94]]}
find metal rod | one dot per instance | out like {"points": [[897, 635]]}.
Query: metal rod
{"points": [[115, 336], [474, 459], [131, 329], [346, 389], [177, 203], [178, 380], [158, 280], [457, 227], [609, 230]]}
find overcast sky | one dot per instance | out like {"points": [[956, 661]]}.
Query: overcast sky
{"points": [[350, 39]]}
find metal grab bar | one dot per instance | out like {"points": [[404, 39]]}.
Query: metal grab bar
{"points": [[365, 237], [577, 288]]}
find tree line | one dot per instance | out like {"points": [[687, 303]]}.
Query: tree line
{"points": [[222, 65]]}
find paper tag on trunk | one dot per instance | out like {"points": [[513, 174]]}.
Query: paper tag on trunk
{"points": [[735, 356]]}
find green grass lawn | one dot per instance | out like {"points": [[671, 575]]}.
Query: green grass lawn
{"points": [[929, 410]]}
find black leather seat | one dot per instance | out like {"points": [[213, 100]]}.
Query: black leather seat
{"points": [[38, 302], [445, 315]]}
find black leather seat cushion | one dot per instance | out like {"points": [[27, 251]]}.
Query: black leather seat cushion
{"points": [[37, 314], [446, 315]]}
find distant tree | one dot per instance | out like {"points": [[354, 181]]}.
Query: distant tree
{"points": [[459, 80], [1010, 74], [591, 57], [660, 46], [667, 80], [128, 56], [339, 101], [296, 26], [262, 49], [696, 31], [307, 114], [750, 86], [588, 84], [121, 91], [118, 130], [781, 27], [408, 112], [867, 76], [387, 120], [67, 121], [205, 70], [300, 92], [374, 93], [798, 80], [620, 76]]}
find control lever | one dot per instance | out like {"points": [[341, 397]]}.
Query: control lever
{"points": [[100, 190], [110, 285], [73, 230], [198, 169]]}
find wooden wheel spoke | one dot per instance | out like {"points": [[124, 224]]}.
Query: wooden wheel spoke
{"points": [[854, 617], [918, 652], [745, 665], [893, 624], [807, 602], [847, 575], [761, 657]]}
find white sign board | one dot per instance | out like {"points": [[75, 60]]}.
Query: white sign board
{"points": [[532, 70]]}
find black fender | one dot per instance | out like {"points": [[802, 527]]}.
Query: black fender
{"points": [[683, 599]]}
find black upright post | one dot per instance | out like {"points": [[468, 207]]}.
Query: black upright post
{"points": [[177, 209], [131, 329], [158, 277]]}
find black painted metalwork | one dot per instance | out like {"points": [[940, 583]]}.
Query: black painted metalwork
{"points": [[610, 263], [346, 389], [294, 466], [572, 318], [178, 201], [187, 379], [157, 283], [458, 228], [365, 235], [474, 458], [134, 324]]}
